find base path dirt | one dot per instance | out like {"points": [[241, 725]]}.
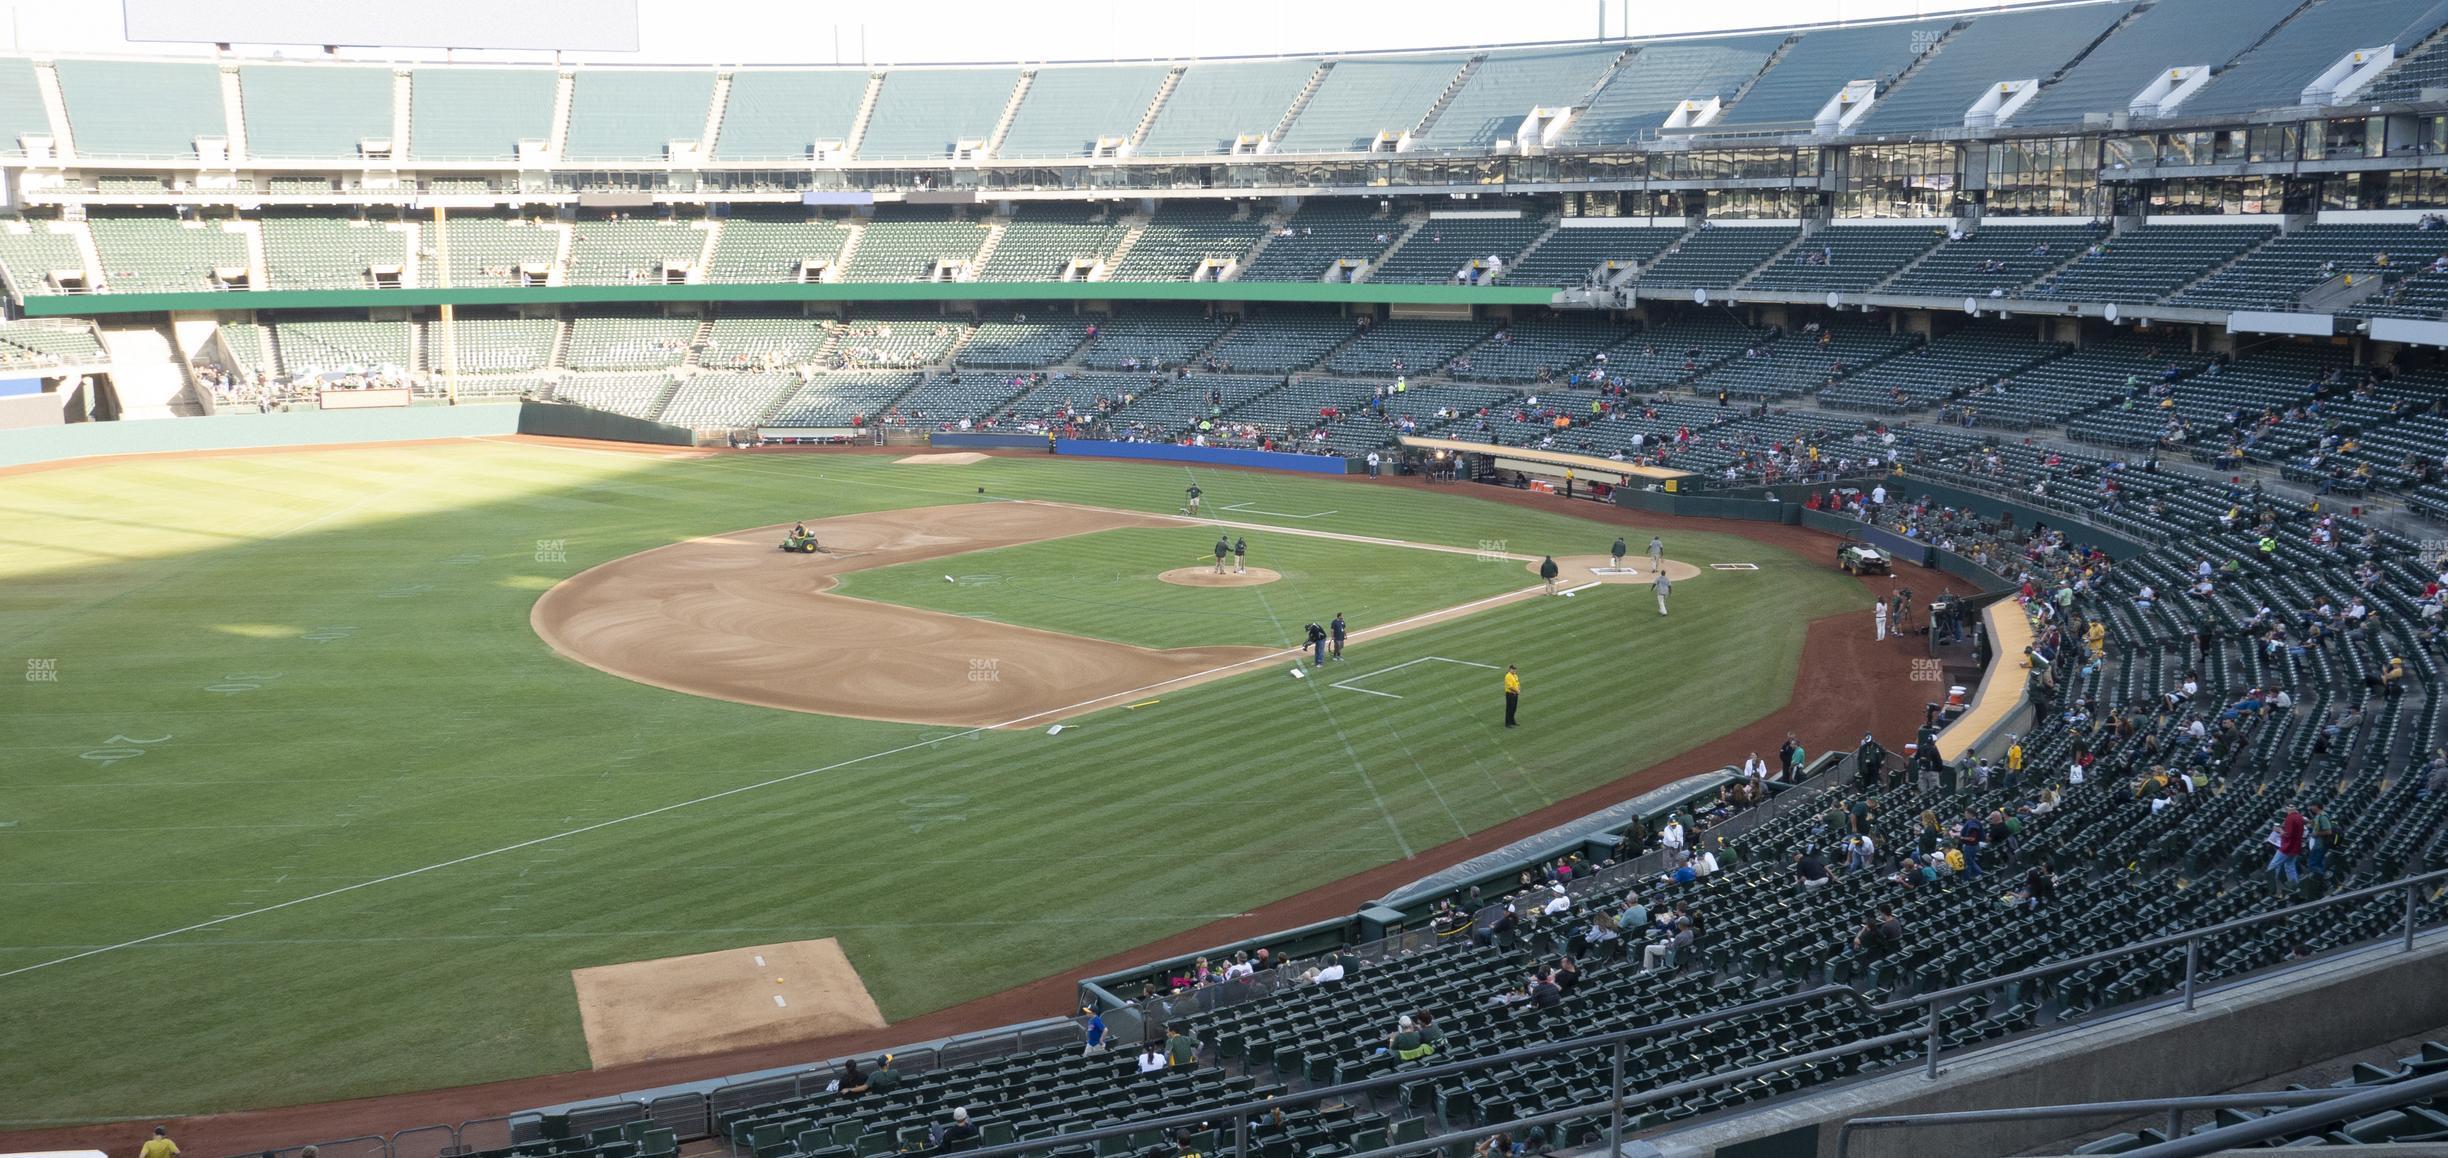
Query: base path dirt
{"points": [[1210, 577], [1848, 683], [674, 1007]]}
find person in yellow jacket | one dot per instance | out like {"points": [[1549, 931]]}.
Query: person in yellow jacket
{"points": [[160, 1145], [2014, 762], [1512, 684]]}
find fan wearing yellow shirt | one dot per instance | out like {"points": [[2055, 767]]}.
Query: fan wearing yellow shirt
{"points": [[160, 1145]]}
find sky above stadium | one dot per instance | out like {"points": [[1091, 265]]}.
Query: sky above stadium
{"points": [[780, 31]]}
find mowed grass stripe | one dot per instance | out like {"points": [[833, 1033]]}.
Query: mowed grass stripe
{"points": [[439, 727]]}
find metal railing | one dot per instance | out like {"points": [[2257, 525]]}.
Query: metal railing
{"points": [[2346, 1108], [1929, 1034], [2189, 940], [1141, 1012], [1242, 1113], [702, 1110], [2174, 1108]]}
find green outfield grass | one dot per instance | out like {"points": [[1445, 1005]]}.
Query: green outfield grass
{"points": [[307, 812], [1105, 585]]}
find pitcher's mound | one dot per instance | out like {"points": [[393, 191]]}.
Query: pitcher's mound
{"points": [[952, 458], [1206, 577], [711, 1002]]}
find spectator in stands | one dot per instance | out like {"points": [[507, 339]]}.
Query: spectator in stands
{"points": [[1810, 872], [1152, 1057], [2286, 841], [1882, 934], [1666, 951], [2039, 889], [959, 1130], [2320, 836]]}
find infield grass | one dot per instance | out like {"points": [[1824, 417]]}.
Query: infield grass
{"points": [[1105, 585], [300, 808]]}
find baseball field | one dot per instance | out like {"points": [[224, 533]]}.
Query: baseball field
{"points": [[325, 770]]}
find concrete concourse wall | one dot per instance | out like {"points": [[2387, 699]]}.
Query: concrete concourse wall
{"points": [[253, 431], [2236, 1036]]}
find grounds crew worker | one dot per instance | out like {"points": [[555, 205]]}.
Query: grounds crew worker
{"points": [[1547, 572], [1223, 547], [1335, 631], [1240, 556], [1615, 554], [1663, 588], [1512, 693], [1657, 553], [1317, 645], [1191, 508]]}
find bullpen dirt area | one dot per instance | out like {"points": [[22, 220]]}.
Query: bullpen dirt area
{"points": [[710, 1002]]}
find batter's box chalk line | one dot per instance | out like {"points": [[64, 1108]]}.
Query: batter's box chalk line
{"points": [[1346, 685]]}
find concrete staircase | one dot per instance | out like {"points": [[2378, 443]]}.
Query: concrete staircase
{"points": [[564, 238], [1301, 101], [1778, 258], [1553, 227], [839, 270], [866, 109], [994, 237], [1411, 227], [95, 276], [233, 111], [1461, 78], [146, 371], [1774, 58], [714, 115], [1164, 92], [55, 112], [705, 253], [1130, 237], [1266, 237], [403, 105], [1011, 109], [258, 274], [191, 337], [565, 89]]}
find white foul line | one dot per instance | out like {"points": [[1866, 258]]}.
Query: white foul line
{"points": [[454, 862]]}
